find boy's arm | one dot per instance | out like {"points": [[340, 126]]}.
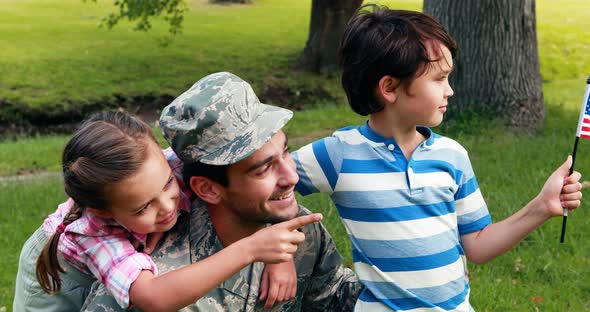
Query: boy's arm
{"points": [[559, 191]]}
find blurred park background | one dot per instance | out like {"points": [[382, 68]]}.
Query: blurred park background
{"points": [[57, 65]]}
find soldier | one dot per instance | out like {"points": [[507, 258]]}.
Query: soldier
{"points": [[236, 160]]}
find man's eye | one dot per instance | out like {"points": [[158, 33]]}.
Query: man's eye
{"points": [[263, 170]]}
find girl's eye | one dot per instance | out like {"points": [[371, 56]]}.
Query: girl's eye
{"points": [[169, 182], [142, 211]]}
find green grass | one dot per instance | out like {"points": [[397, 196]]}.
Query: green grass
{"points": [[55, 59], [24, 206], [563, 39], [31, 155], [53, 56]]}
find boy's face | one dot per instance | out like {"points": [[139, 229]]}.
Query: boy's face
{"points": [[424, 101]]}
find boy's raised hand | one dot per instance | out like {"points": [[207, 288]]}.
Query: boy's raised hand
{"points": [[562, 191]]}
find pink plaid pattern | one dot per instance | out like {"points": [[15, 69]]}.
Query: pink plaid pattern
{"points": [[103, 248]]}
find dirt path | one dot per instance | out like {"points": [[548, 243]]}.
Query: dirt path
{"points": [[38, 176]]}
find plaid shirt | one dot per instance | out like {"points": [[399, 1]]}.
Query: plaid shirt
{"points": [[103, 248]]}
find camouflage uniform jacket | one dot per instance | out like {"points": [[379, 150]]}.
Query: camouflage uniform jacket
{"points": [[323, 283]]}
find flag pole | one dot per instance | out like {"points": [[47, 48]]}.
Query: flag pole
{"points": [[584, 131], [565, 210]]}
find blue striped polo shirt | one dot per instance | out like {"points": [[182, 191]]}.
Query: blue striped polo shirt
{"points": [[404, 217]]}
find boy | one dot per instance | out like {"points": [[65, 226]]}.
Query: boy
{"points": [[408, 197]]}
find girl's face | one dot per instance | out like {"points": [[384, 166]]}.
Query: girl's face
{"points": [[147, 201]]}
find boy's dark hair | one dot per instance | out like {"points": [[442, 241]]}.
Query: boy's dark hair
{"points": [[380, 42], [213, 172], [107, 148]]}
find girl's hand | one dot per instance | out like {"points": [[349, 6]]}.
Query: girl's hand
{"points": [[278, 243], [279, 283]]}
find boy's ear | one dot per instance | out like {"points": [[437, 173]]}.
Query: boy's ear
{"points": [[105, 214], [207, 189], [387, 88]]}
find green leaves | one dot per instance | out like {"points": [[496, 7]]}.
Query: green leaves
{"points": [[143, 11]]}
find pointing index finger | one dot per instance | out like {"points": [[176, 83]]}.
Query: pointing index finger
{"points": [[298, 222]]}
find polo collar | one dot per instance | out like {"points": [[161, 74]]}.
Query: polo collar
{"points": [[370, 134]]}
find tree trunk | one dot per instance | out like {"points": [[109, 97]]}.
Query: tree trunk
{"points": [[497, 68], [327, 23]]}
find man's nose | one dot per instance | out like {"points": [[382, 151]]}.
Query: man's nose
{"points": [[289, 176]]}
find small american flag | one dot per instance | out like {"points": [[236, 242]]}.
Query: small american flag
{"points": [[584, 121]]}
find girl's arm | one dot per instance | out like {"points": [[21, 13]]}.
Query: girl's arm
{"points": [[179, 288]]}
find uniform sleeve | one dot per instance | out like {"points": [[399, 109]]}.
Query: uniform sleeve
{"points": [[113, 260], [317, 165], [472, 211], [100, 300], [332, 287]]}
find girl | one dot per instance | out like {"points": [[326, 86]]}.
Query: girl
{"points": [[121, 189]]}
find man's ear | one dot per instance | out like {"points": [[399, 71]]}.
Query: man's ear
{"points": [[388, 88], [105, 214], [207, 189]]}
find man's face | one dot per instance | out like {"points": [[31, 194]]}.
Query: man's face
{"points": [[261, 187]]}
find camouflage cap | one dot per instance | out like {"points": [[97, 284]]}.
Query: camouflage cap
{"points": [[220, 121]]}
